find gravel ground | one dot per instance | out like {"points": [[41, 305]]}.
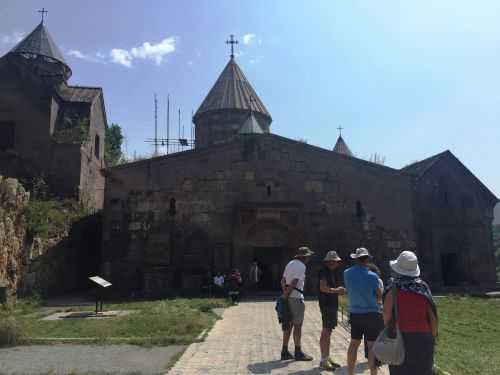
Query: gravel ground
{"points": [[62, 359]]}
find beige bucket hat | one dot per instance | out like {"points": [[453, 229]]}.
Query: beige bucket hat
{"points": [[361, 252], [304, 251], [332, 256]]}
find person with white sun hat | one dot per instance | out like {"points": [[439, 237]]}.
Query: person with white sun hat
{"points": [[417, 315]]}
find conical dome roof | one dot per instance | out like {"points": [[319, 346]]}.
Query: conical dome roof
{"points": [[232, 91], [341, 147], [40, 43], [251, 126]]}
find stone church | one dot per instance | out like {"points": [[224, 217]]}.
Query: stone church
{"points": [[246, 194], [49, 129]]}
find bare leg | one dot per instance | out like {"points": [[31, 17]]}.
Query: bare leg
{"points": [[297, 335], [286, 337], [324, 342], [352, 355], [371, 359]]}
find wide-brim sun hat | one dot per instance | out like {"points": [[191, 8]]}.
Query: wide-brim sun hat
{"points": [[304, 251], [406, 264], [361, 252], [332, 256]]}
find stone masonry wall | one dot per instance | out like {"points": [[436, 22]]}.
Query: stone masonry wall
{"points": [[170, 220]]}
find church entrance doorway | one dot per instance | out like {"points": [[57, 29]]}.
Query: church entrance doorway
{"points": [[450, 269], [269, 261]]}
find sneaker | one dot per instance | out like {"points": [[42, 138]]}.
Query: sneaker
{"points": [[286, 355], [301, 356], [335, 365], [326, 365]]}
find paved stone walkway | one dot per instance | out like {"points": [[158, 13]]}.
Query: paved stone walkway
{"points": [[248, 341], [66, 359]]}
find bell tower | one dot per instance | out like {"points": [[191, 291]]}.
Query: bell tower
{"points": [[228, 105]]}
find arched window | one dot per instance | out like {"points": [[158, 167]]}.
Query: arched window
{"points": [[97, 148], [359, 209], [172, 210]]}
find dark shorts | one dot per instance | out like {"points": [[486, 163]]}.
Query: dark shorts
{"points": [[368, 325], [329, 315]]}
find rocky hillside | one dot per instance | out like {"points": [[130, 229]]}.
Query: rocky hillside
{"points": [[13, 244], [47, 246]]}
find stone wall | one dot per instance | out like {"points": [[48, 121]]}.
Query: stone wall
{"points": [[453, 223], [170, 220], [49, 141], [13, 244]]}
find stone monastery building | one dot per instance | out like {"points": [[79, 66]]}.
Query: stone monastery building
{"points": [[50, 130], [241, 194], [246, 194]]}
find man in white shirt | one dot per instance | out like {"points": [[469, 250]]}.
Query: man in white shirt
{"points": [[292, 283]]}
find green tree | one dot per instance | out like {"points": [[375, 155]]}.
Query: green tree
{"points": [[113, 145]]}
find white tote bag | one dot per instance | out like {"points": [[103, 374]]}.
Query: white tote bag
{"points": [[388, 349]]}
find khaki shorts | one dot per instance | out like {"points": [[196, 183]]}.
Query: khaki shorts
{"points": [[297, 308]]}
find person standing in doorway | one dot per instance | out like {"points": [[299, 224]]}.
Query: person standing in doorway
{"points": [[329, 290], [254, 276], [219, 284], [292, 283], [234, 281], [365, 317]]}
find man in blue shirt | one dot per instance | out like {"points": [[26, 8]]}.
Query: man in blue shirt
{"points": [[366, 320]]}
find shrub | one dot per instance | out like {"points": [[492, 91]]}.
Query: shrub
{"points": [[46, 218], [11, 332]]}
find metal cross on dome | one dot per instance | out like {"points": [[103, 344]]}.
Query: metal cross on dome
{"points": [[340, 128], [43, 12], [232, 42]]}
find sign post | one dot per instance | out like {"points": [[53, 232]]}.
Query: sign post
{"points": [[101, 285]]}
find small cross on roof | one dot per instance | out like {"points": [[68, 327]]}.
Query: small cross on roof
{"points": [[43, 12]]}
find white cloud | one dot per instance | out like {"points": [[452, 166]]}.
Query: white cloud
{"points": [[96, 57], [147, 51], [76, 53], [255, 60], [121, 56], [247, 38], [155, 52], [12, 38]]}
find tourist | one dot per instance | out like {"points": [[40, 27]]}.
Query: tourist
{"points": [[365, 317], [417, 315], [292, 283], [372, 267], [329, 290], [219, 284], [254, 276], [234, 281]]}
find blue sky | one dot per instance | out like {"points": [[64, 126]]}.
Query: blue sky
{"points": [[404, 79]]}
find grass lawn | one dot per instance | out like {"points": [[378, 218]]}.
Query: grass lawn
{"points": [[469, 335], [469, 341], [163, 322]]}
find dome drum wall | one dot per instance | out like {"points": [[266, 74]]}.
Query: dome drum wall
{"points": [[215, 127], [45, 67]]}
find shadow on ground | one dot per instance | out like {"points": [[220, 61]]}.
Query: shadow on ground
{"points": [[269, 366]]}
